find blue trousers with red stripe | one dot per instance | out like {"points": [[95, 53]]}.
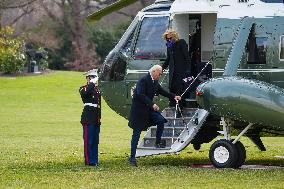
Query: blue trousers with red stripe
{"points": [[91, 143]]}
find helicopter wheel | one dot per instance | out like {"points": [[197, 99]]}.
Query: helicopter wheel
{"points": [[241, 155], [223, 154]]}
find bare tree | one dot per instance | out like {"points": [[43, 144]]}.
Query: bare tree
{"points": [[24, 6], [70, 14]]}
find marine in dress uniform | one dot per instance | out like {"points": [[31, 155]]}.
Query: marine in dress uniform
{"points": [[90, 118], [144, 112]]}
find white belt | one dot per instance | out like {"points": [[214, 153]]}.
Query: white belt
{"points": [[90, 104]]}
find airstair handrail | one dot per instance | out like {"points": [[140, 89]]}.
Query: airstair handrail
{"points": [[209, 62]]}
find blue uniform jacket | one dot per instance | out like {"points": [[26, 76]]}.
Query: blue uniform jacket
{"points": [[91, 94]]}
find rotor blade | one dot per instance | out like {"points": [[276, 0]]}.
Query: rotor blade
{"points": [[109, 9]]}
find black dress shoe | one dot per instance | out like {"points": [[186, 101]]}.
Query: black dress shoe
{"points": [[160, 145], [132, 162], [93, 164]]}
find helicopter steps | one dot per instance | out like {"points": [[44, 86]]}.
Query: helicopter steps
{"points": [[177, 134]]}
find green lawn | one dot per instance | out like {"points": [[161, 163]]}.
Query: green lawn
{"points": [[41, 146]]}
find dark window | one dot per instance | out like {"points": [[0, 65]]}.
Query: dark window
{"points": [[107, 71], [272, 1], [127, 44], [150, 44], [282, 47], [158, 9], [117, 71], [118, 68], [256, 49]]}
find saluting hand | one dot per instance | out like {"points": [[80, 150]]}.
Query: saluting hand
{"points": [[156, 107], [177, 98]]}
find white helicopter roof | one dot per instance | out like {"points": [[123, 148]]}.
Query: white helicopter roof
{"points": [[228, 8], [193, 6]]}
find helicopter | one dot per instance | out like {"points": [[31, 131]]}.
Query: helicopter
{"points": [[240, 83]]}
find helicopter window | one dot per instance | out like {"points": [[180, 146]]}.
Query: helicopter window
{"points": [[126, 46], [282, 47], [158, 9], [257, 50], [150, 44], [117, 71]]}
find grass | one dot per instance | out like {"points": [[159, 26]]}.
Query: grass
{"points": [[41, 146]]}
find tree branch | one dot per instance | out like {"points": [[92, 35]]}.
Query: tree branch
{"points": [[56, 2], [50, 14], [17, 6], [22, 15]]}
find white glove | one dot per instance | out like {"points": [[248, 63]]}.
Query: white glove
{"points": [[94, 80]]}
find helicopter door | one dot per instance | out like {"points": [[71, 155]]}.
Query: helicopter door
{"points": [[198, 30], [148, 49]]}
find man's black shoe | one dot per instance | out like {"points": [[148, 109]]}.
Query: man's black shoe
{"points": [[178, 115], [93, 164], [160, 145], [132, 161]]}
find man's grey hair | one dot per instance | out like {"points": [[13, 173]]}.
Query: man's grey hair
{"points": [[155, 67]]}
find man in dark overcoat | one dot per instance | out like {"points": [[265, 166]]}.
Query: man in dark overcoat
{"points": [[178, 62], [194, 49], [144, 112], [90, 118]]}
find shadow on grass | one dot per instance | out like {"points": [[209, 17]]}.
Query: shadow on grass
{"points": [[172, 160], [266, 161], [106, 163], [121, 164]]}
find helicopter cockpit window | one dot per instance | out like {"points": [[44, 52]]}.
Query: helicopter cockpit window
{"points": [[256, 49], [282, 47], [117, 71], [272, 1], [126, 46], [150, 44]]}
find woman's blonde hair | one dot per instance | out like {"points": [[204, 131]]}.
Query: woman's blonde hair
{"points": [[172, 33]]}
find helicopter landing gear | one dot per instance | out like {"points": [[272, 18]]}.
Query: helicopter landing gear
{"points": [[228, 153], [241, 155], [223, 154]]}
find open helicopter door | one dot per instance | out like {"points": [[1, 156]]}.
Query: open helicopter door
{"points": [[197, 29]]}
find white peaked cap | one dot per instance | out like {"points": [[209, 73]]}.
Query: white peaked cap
{"points": [[93, 72]]}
